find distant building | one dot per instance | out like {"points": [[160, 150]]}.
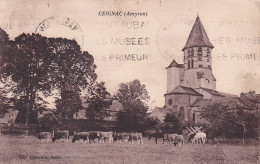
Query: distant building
{"points": [[192, 84], [113, 110], [9, 118]]}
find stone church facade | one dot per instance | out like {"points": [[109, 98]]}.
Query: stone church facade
{"points": [[192, 84]]}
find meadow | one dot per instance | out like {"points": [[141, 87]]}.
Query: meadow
{"points": [[28, 149]]}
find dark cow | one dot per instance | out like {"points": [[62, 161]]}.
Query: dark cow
{"points": [[106, 135], [191, 137], [121, 137], [179, 139], [211, 135], [136, 136], [61, 134], [94, 135], [86, 136], [155, 134], [170, 138], [48, 136], [80, 136]]}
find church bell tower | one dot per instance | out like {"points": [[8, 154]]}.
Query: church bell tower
{"points": [[197, 59]]}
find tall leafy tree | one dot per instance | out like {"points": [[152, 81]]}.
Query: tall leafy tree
{"points": [[71, 71], [134, 97], [27, 65], [4, 47], [98, 103]]}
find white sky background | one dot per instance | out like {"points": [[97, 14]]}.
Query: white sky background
{"points": [[167, 26]]}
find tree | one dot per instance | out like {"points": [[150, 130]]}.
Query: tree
{"points": [[27, 65], [228, 119], [153, 123], [98, 102], [242, 117], [4, 46], [4, 101], [134, 97], [172, 124], [71, 71]]}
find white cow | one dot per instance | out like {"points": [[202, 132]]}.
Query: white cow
{"points": [[199, 137]]}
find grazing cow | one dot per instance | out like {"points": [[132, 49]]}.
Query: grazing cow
{"points": [[61, 134], [179, 139], [86, 136], [48, 136], [169, 138], [121, 137], [93, 135], [211, 135], [81, 135], [154, 134], [106, 135], [199, 137], [191, 137], [136, 136]]}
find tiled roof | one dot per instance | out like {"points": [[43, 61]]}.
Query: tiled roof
{"points": [[184, 90], [175, 64], [213, 92], [201, 102], [162, 110], [198, 36]]}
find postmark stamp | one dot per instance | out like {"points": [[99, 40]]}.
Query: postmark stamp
{"points": [[57, 26], [168, 36]]}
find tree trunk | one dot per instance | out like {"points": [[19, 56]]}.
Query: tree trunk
{"points": [[244, 131], [27, 107]]}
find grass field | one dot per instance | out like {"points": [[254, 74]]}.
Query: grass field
{"points": [[28, 149]]}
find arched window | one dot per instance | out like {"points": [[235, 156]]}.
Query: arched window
{"points": [[188, 64], [192, 52], [170, 102], [208, 52], [181, 113], [199, 51], [192, 63]]}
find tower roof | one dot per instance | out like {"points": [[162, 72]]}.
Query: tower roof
{"points": [[175, 64], [198, 36]]}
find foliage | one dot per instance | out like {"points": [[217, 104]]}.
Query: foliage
{"points": [[26, 65], [99, 102], [153, 123], [172, 124], [38, 65], [230, 121], [4, 42], [71, 103], [133, 96], [71, 71]]}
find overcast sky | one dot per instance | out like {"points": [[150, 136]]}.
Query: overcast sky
{"points": [[233, 27]]}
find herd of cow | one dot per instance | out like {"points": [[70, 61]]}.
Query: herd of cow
{"points": [[91, 136]]}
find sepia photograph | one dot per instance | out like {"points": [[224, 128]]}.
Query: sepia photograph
{"points": [[130, 81]]}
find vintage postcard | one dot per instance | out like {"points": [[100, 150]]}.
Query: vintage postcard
{"points": [[129, 81]]}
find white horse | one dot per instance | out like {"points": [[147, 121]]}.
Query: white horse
{"points": [[199, 137]]}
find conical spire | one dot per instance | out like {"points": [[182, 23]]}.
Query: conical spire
{"points": [[198, 36]]}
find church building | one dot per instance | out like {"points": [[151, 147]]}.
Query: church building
{"points": [[192, 84]]}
